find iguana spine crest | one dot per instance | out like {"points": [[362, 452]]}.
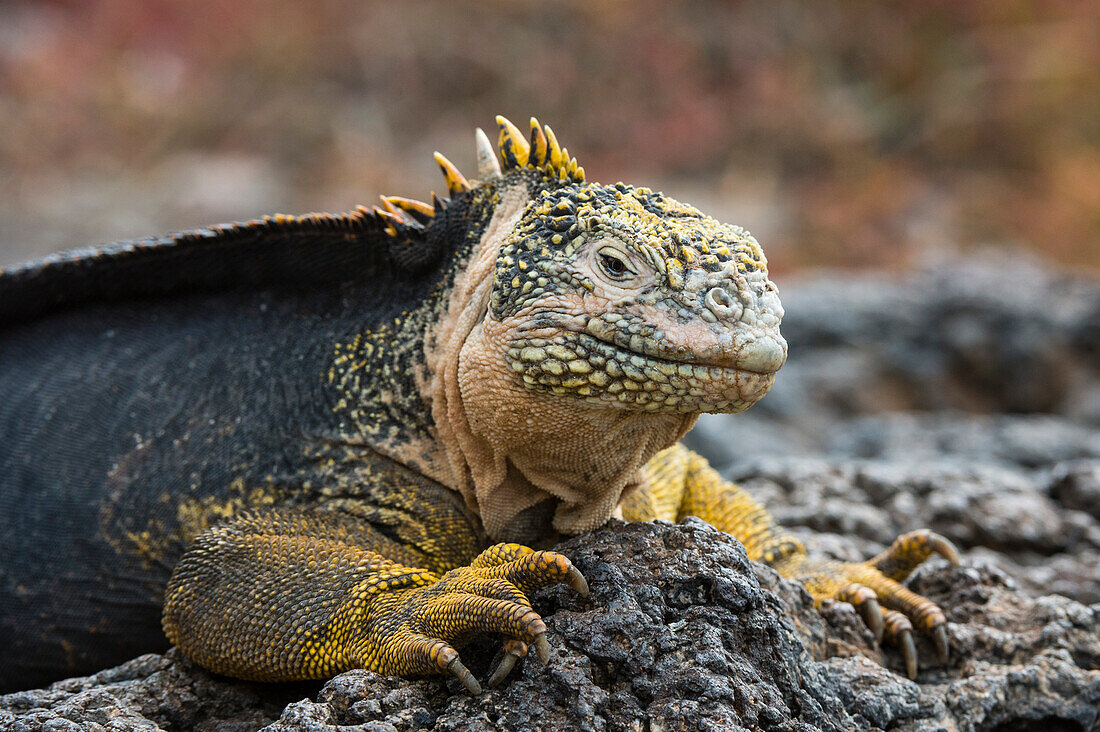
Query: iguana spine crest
{"points": [[542, 153]]}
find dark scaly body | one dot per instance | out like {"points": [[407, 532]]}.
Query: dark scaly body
{"points": [[164, 401]]}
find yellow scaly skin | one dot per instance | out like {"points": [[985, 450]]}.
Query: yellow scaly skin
{"points": [[348, 607], [298, 594]]}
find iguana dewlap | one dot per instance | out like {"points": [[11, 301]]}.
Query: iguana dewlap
{"points": [[311, 439]]}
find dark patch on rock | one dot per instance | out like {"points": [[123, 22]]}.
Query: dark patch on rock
{"points": [[150, 692]]}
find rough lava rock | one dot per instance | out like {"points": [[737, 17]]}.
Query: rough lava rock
{"points": [[151, 692], [681, 632], [956, 399], [677, 634]]}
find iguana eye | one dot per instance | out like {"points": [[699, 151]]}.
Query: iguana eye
{"points": [[613, 265]]}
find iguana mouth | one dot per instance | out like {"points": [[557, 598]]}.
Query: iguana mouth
{"points": [[655, 351], [601, 371], [696, 366]]}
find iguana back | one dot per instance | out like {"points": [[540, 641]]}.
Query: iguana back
{"points": [[147, 386]]}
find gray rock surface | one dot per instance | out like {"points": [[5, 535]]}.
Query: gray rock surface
{"points": [[1000, 334], [680, 632], [150, 692], [963, 398]]}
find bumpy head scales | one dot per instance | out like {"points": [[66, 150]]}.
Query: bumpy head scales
{"points": [[587, 328], [622, 296]]}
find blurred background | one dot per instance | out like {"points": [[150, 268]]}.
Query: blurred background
{"points": [[857, 135]]}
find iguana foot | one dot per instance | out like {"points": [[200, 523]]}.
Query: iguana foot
{"points": [[415, 631], [874, 585]]}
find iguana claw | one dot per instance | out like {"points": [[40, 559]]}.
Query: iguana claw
{"points": [[576, 580], [865, 601], [899, 632], [463, 674], [412, 631], [943, 651], [513, 651], [542, 648]]}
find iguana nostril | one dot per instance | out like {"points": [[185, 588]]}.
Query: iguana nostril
{"points": [[719, 302], [718, 299]]}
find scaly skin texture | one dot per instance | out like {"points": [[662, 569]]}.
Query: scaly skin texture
{"points": [[337, 433]]}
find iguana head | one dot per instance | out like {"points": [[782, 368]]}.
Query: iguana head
{"points": [[590, 326], [620, 296]]}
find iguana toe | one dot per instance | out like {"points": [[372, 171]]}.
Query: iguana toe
{"points": [[865, 600], [523, 566], [911, 550], [899, 632], [459, 616], [538, 569], [499, 554]]}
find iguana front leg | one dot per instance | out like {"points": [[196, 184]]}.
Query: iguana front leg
{"points": [[289, 596], [681, 483]]}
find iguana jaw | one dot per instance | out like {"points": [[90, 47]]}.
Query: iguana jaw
{"points": [[638, 357], [535, 445]]}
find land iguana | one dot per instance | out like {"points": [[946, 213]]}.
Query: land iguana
{"points": [[300, 445]]}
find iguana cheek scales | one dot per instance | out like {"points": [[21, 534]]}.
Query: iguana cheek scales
{"points": [[338, 415]]}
